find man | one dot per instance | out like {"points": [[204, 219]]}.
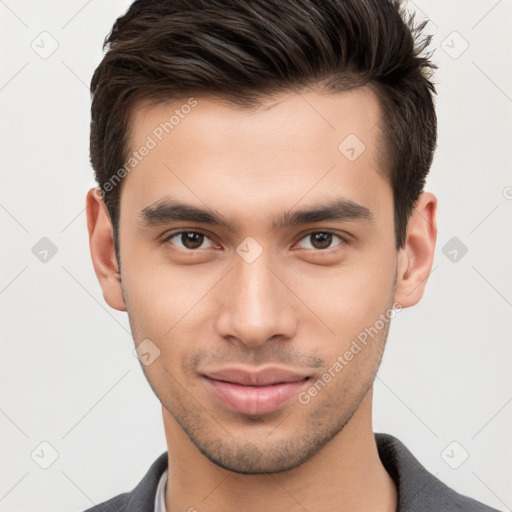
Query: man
{"points": [[261, 217]]}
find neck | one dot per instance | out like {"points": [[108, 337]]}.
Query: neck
{"points": [[345, 475]]}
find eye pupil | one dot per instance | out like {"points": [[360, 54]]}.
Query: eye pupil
{"points": [[321, 240], [192, 240]]}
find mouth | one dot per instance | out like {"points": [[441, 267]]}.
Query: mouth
{"points": [[254, 392]]}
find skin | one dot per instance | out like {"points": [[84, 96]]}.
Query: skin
{"points": [[298, 305]]}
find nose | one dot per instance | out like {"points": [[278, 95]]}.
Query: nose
{"points": [[256, 304]]}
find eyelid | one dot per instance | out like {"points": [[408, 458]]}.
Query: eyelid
{"points": [[344, 239], [166, 238]]}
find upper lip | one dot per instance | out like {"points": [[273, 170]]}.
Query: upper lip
{"points": [[262, 377]]}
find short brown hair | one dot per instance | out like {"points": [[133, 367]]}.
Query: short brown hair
{"points": [[242, 51]]}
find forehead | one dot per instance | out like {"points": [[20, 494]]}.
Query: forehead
{"points": [[291, 146], [304, 116]]}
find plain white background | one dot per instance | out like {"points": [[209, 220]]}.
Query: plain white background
{"points": [[68, 374]]}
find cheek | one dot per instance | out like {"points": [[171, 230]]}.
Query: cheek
{"points": [[151, 301], [350, 297], [164, 300]]}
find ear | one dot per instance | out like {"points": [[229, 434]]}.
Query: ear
{"points": [[101, 243], [416, 257]]}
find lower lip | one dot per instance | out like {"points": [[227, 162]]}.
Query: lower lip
{"points": [[254, 399]]}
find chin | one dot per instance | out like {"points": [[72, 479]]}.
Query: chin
{"points": [[249, 458], [252, 461]]}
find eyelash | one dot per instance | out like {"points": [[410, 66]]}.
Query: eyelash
{"points": [[344, 241]]}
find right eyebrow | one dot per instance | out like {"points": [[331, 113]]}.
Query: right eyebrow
{"points": [[169, 210]]}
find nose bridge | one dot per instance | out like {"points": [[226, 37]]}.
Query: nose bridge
{"points": [[255, 306]]}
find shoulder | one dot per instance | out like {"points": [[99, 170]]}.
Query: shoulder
{"points": [[419, 490], [115, 504], [142, 497]]}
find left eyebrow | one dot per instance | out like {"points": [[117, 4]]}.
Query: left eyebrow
{"points": [[339, 209], [170, 210]]}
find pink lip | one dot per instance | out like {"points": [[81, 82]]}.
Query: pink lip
{"points": [[254, 392]]}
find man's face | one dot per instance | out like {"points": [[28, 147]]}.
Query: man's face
{"points": [[238, 309]]}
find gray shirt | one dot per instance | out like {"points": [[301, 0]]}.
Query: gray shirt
{"points": [[418, 490]]}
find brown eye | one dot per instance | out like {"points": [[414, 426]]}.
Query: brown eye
{"points": [[190, 240], [321, 240]]}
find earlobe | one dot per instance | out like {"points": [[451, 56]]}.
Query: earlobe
{"points": [[415, 259], [101, 244]]}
